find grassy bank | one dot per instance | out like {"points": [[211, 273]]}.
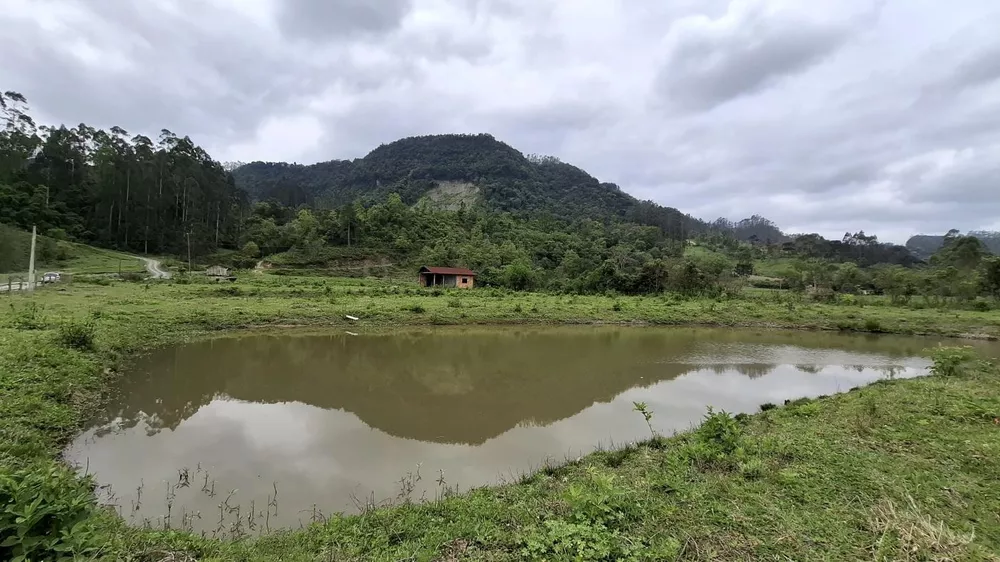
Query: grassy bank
{"points": [[864, 474]]}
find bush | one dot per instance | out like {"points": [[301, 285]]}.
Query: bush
{"points": [[454, 303], [948, 361], [767, 406], [77, 335], [717, 441], [230, 291], [415, 308], [873, 325], [28, 317], [132, 277], [46, 515]]}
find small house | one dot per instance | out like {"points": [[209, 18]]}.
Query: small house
{"points": [[447, 277], [217, 271]]}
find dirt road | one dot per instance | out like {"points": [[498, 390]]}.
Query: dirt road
{"points": [[155, 269]]}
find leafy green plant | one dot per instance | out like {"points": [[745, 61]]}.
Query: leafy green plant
{"points": [[77, 335], [948, 361], [415, 308], [46, 514], [28, 317], [454, 303], [647, 415], [873, 325], [718, 441]]}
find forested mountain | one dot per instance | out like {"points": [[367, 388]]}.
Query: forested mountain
{"points": [[485, 169], [109, 189], [925, 245]]}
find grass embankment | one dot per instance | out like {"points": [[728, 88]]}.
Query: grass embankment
{"points": [[59, 255], [867, 473]]}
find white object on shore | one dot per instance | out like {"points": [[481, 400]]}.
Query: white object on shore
{"points": [[349, 317], [351, 334]]}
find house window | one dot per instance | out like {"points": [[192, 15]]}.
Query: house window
{"points": [[465, 280]]}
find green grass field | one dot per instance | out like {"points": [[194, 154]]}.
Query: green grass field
{"points": [[80, 259], [902, 470]]}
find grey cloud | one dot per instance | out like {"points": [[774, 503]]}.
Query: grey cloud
{"points": [[340, 20], [982, 68], [711, 62], [820, 122]]}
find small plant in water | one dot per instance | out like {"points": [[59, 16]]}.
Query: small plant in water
{"points": [[643, 409]]}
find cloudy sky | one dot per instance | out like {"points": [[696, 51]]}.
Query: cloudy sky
{"points": [[823, 115]]}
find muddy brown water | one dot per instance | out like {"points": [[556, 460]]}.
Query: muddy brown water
{"points": [[200, 436]]}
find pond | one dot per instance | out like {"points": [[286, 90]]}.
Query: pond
{"points": [[243, 434]]}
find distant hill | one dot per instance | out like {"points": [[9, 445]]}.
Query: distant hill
{"points": [[924, 245], [451, 170]]}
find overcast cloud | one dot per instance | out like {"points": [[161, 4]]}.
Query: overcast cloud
{"points": [[825, 116]]}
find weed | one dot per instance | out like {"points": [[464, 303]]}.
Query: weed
{"points": [[230, 291], [617, 307], [415, 308], [873, 325], [647, 415], [752, 468], [132, 277], [48, 514], [518, 309], [948, 361], [454, 303], [77, 335], [716, 441], [28, 317]]}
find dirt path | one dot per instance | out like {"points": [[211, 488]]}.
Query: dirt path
{"points": [[155, 269]]}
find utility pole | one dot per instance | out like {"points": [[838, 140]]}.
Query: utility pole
{"points": [[189, 251], [31, 260]]}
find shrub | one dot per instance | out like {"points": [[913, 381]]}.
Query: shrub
{"points": [[132, 277], [767, 406], [454, 303], [948, 361], [77, 335], [28, 317], [980, 305], [873, 325], [229, 291], [617, 307], [46, 515], [717, 441], [415, 308], [752, 468]]}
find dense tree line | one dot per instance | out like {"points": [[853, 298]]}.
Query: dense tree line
{"points": [[923, 245], [582, 255], [111, 189]]}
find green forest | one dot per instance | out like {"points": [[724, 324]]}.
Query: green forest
{"points": [[114, 190], [523, 222]]}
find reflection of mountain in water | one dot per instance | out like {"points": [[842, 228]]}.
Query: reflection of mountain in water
{"points": [[447, 386]]}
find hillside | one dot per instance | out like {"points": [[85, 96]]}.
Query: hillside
{"points": [[466, 168], [924, 245], [58, 255]]}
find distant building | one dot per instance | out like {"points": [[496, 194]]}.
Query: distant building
{"points": [[217, 271], [447, 277]]}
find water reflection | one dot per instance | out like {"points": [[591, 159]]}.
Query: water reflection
{"points": [[331, 418]]}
